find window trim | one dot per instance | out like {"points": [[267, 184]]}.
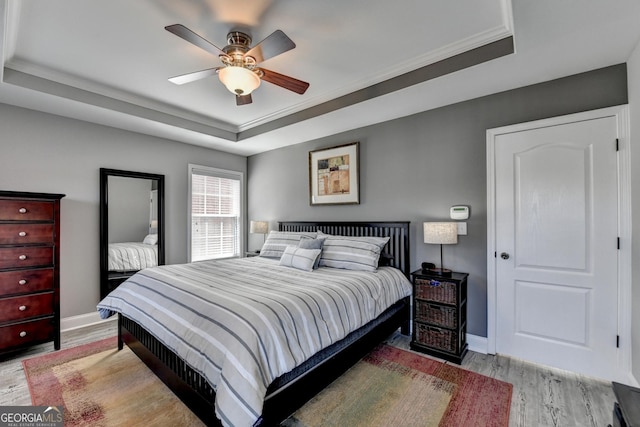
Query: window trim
{"points": [[219, 173]]}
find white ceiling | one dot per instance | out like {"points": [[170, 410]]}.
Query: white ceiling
{"points": [[108, 61]]}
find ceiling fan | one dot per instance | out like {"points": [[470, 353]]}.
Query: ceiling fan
{"points": [[240, 72]]}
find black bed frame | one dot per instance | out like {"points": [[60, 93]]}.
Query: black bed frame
{"points": [[282, 401]]}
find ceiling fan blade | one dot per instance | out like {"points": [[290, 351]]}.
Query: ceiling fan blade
{"points": [[294, 85], [192, 77], [193, 38], [275, 44], [243, 99]]}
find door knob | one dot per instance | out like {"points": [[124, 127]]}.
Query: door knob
{"points": [[504, 255]]}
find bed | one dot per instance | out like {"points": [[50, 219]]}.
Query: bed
{"points": [[294, 381], [131, 256]]}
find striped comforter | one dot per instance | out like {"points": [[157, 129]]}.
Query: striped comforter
{"points": [[242, 323], [132, 256]]}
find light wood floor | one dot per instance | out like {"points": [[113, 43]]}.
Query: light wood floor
{"points": [[541, 396]]}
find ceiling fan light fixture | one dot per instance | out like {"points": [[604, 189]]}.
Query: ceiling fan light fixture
{"points": [[239, 80]]}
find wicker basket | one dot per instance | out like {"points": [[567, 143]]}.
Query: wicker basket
{"points": [[436, 290], [436, 314], [443, 339]]}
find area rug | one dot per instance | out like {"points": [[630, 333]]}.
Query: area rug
{"points": [[394, 387], [100, 386]]}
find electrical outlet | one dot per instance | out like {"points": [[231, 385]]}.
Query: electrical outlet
{"points": [[462, 228]]}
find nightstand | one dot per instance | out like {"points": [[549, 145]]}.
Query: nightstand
{"points": [[440, 315], [250, 254]]}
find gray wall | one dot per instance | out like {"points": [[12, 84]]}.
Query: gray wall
{"points": [[416, 168], [46, 153]]}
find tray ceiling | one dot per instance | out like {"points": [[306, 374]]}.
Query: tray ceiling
{"points": [[108, 61]]}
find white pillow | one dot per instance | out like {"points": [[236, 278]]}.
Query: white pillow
{"points": [[150, 239], [302, 259], [351, 252], [277, 241]]}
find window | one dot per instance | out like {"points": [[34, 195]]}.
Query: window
{"points": [[215, 213]]}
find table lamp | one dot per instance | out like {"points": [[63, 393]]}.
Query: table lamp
{"points": [[259, 227], [440, 233]]}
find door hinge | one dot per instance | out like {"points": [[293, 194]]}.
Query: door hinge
{"points": [[618, 243], [617, 341], [495, 254], [617, 144]]}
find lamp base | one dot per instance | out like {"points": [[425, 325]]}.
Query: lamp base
{"points": [[444, 272]]}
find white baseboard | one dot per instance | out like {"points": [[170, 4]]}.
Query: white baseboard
{"points": [[82, 320], [632, 381], [477, 344]]}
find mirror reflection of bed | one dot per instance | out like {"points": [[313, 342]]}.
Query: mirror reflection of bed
{"points": [[130, 220]]}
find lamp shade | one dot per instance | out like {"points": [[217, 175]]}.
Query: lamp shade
{"points": [[259, 227], [239, 80], [443, 233]]}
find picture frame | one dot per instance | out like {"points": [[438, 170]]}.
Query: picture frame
{"points": [[334, 175]]}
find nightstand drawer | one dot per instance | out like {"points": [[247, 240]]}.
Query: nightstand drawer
{"points": [[26, 210], [23, 281], [436, 314], [436, 290], [19, 234], [24, 307], [26, 256], [25, 333], [440, 338]]}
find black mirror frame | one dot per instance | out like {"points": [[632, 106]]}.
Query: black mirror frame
{"points": [[105, 288]]}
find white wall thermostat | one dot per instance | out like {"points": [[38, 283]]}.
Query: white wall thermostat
{"points": [[459, 212]]}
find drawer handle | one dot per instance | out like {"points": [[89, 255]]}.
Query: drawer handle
{"points": [[22, 210], [22, 257], [22, 282], [22, 233], [434, 283], [22, 308], [23, 334]]}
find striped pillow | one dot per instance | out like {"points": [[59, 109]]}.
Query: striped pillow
{"points": [[277, 241], [352, 253], [307, 243], [302, 259]]}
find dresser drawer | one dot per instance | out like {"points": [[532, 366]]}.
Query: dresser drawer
{"points": [[23, 281], [24, 307], [26, 257], [17, 234], [25, 333], [26, 210]]}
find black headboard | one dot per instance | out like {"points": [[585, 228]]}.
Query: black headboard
{"points": [[398, 233]]}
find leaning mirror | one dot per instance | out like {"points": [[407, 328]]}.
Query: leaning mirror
{"points": [[131, 225]]}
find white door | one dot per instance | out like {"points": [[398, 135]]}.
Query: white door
{"points": [[556, 225]]}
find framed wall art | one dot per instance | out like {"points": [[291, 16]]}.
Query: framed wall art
{"points": [[334, 175]]}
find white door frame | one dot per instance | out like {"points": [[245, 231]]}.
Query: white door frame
{"points": [[621, 114]]}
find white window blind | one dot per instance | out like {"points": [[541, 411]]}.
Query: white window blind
{"points": [[215, 213]]}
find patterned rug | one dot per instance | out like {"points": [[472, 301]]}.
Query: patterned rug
{"points": [[100, 386], [394, 387]]}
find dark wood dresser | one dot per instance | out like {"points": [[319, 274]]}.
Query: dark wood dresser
{"points": [[29, 269]]}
